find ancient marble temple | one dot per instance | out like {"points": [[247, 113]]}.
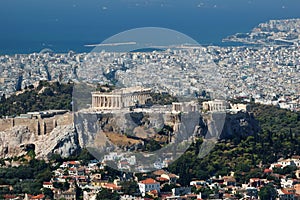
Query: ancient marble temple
{"points": [[120, 98]]}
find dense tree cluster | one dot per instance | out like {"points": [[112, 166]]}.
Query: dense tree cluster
{"points": [[279, 138], [268, 192], [48, 95], [25, 178], [105, 194], [163, 98]]}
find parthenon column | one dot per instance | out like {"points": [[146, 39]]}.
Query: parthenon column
{"points": [[125, 99], [116, 103], [113, 102], [99, 102], [119, 102], [109, 102]]}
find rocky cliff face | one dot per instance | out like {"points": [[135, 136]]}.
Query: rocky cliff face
{"points": [[19, 140], [241, 123], [69, 139]]}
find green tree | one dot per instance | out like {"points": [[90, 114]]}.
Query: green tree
{"points": [[168, 188], [105, 194], [268, 192], [44, 176], [129, 187], [48, 193], [153, 145]]}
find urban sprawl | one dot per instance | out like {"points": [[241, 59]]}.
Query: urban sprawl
{"points": [[266, 73]]}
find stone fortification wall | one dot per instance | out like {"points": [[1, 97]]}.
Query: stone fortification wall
{"points": [[38, 126], [5, 124]]}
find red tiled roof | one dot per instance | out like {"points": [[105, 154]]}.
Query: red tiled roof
{"points": [[286, 191], [9, 196], [227, 195], [268, 171], [40, 196], [155, 192], [148, 181], [73, 162], [159, 172], [47, 183], [172, 175], [162, 179], [111, 186]]}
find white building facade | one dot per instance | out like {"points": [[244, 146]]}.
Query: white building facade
{"points": [[148, 185]]}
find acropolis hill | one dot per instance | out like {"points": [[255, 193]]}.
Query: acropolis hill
{"points": [[55, 131]]}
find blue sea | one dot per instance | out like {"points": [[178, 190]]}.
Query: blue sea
{"points": [[62, 25]]}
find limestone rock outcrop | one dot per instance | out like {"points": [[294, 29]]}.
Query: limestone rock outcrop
{"points": [[19, 140], [66, 137]]}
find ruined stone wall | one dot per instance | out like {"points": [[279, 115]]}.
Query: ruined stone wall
{"points": [[37, 126], [65, 119], [5, 124], [32, 124]]}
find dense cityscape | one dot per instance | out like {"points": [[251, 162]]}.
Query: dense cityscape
{"points": [[270, 75], [256, 157]]}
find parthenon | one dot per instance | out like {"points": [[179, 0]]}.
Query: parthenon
{"points": [[120, 98]]}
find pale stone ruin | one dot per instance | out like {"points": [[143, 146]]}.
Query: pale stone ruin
{"points": [[39, 123], [185, 107], [120, 98], [215, 106], [240, 107]]}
